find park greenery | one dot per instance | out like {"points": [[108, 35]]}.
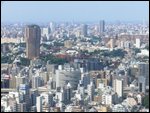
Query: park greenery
{"points": [[115, 53], [52, 59]]}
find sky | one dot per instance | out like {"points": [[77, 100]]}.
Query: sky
{"points": [[45, 11]]}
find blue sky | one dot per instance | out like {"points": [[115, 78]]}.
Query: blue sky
{"points": [[45, 11]]}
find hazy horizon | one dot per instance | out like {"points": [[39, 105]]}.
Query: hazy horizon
{"points": [[78, 11]]}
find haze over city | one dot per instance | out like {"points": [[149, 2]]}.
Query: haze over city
{"points": [[75, 56]]}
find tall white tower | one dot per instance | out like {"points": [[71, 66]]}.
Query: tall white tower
{"points": [[39, 103], [118, 87], [138, 43], [52, 26]]}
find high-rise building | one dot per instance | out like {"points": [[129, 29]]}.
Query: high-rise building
{"points": [[52, 26], [39, 103], [33, 94], [91, 88], [69, 74], [143, 70], [68, 93], [118, 87], [84, 30], [12, 83], [101, 27], [33, 36], [138, 43], [142, 84], [22, 107], [46, 32], [20, 80], [36, 81], [24, 88]]}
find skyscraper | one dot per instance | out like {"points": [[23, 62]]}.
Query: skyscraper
{"points": [[143, 70], [46, 32], [84, 30], [101, 27], [142, 84], [118, 87], [90, 88], [33, 36], [39, 103], [138, 43], [52, 26]]}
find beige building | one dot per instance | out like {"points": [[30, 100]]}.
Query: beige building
{"points": [[68, 44]]}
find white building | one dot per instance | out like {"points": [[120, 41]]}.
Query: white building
{"points": [[90, 89], [67, 74], [119, 108], [39, 103], [118, 87], [107, 99], [46, 32], [36, 81], [138, 43], [139, 98], [52, 26], [60, 96]]}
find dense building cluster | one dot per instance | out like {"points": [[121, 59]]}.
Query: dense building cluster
{"points": [[75, 67]]}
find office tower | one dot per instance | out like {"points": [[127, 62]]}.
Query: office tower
{"points": [[127, 44], [44, 77], [45, 102], [46, 32], [14, 106], [85, 79], [32, 36], [80, 88], [34, 94], [137, 43], [12, 83], [24, 88], [67, 93], [90, 89], [67, 73], [101, 27], [143, 70], [47, 98], [22, 107], [51, 84], [107, 99], [118, 87], [142, 84], [52, 27], [39, 103], [50, 67], [20, 80], [36, 81], [60, 95], [84, 30]]}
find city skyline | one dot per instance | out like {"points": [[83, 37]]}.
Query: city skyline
{"points": [[23, 11]]}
